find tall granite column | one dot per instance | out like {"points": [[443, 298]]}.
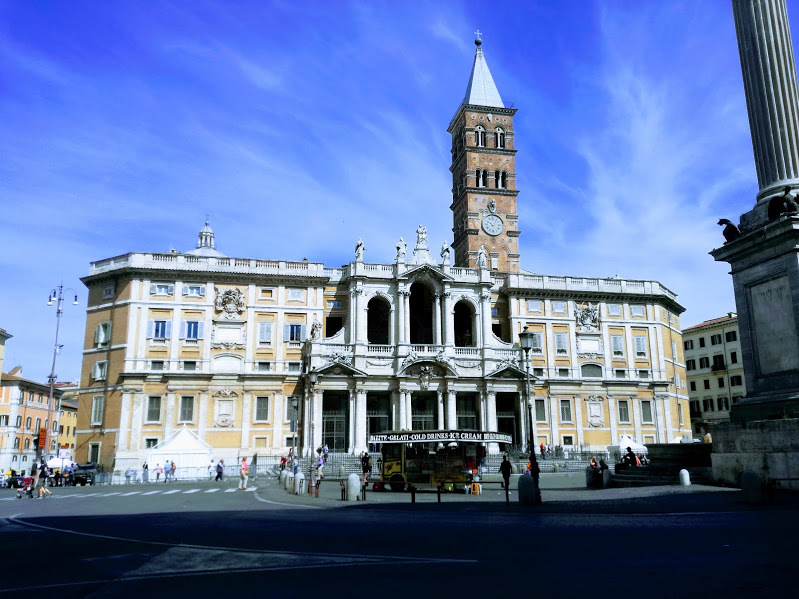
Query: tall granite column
{"points": [[772, 94]]}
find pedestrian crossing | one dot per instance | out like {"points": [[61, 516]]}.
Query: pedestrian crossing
{"points": [[68, 495]]}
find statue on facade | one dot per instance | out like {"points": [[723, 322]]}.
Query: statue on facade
{"points": [[421, 236], [731, 232], [316, 330], [445, 253], [359, 250], [482, 257], [784, 204], [402, 248], [588, 317], [230, 302]]}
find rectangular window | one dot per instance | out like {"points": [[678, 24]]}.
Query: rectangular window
{"points": [[724, 403], [624, 411], [568, 440], [707, 404], [620, 374], [102, 334], [540, 410], [706, 383], [561, 344], [677, 380], [736, 381], [538, 372], [159, 330], [563, 373], [534, 305], [189, 365], [614, 309], [94, 453], [194, 290], [296, 295], [679, 412], [733, 357], [150, 442], [646, 411], [295, 366], [193, 330], [264, 366], [674, 350], [690, 364], [637, 311], [334, 303], [186, 408], [715, 339], [704, 362], [98, 402], [701, 342], [266, 293], [157, 365], [558, 307], [718, 362], [617, 345], [162, 289], [730, 336], [565, 410], [108, 292], [100, 370], [538, 343], [640, 346], [693, 385], [688, 344], [265, 334], [261, 409], [721, 382], [153, 408], [4, 420], [294, 333], [61, 429]]}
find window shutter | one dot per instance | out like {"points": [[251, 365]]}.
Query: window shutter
{"points": [[170, 289], [200, 330], [185, 290], [153, 289], [150, 329], [183, 326], [302, 333], [202, 290], [94, 371], [97, 334], [286, 332], [168, 334]]}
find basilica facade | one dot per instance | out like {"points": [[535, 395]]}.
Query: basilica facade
{"points": [[257, 356]]}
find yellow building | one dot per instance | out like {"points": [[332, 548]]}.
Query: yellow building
{"points": [[228, 346], [67, 417]]}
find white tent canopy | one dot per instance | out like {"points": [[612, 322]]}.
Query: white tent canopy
{"points": [[182, 447], [59, 463], [626, 441]]}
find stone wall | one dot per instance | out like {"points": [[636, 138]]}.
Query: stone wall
{"points": [[769, 448]]}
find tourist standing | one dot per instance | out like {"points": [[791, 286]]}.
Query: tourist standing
{"points": [[244, 472], [145, 473], [505, 469], [158, 471], [220, 470]]}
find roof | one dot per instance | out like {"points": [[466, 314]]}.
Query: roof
{"points": [[9, 378], [714, 321], [481, 90]]}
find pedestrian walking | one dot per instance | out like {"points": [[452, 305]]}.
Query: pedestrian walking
{"points": [[244, 473], [220, 470], [296, 465], [211, 470], [145, 473], [324, 452], [505, 469], [282, 463], [172, 472], [159, 470]]}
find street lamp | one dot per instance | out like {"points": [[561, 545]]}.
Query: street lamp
{"points": [[56, 294], [526, 342], [294, 419], [313, 377]]}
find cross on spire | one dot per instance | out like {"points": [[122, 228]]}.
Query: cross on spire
{"points": [[478, 34]]}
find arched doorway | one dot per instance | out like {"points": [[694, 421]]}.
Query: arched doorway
{"points": [[421, 314], [464, 325], [377, 321]]}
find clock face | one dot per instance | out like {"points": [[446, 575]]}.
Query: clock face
{"points": [[492, 224]]}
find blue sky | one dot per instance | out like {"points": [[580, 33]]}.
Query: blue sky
{"points": [[300, 126]]}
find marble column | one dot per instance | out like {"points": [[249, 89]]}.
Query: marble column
{"points": [[202, 419], [437, 319], [440, 423], [246, 418], [402, 410], [408, 410], [360, 422], [449, 318], [317, 419], [485, 303], [452, 410], [770, 87], [352, 423], [401, 319], [169, 416], [395, 411], [613, 416]]}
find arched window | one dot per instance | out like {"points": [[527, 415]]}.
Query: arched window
{"points": [[481, 178], [593, 371], [377, 321], [500, 138], [19, 421], [39, 423], [504, 177], [501, 179], [421, 314], [28, 422], [464, 325], [16, 442], [27, 443], [479, 137]]}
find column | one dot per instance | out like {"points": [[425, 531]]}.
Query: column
{"points": [[246, 418], [437, 319], [307, 402], [360, 423], [392, 319], [360, 320], [408, 410], [202, 418], [554, 418], [124, 419], [402, 410], [278, 417], [169, 415], [612, 418], [351, 421], [578, 419], [137, 417], [440, 424], [636, 408], [481, 410], [317, 419], [485, 303], [395, 416], [175, 341], [401, 319], [352, 325], [770, 87], [449, 318], [667, 418], [452, 413], [491, 415], [524, 437]]}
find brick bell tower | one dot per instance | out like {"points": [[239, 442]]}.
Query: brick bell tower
{"points": [[484, 174]]}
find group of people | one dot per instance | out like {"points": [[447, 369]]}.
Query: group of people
{"points": [[630, 459], [168, 470], [291, 461], [533, 470], [548, 451]]}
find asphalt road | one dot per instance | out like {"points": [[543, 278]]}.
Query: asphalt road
{"points": [[203, 540]]}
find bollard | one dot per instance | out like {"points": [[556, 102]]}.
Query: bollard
{"points": [[299, 483], [341, 472], [607, 479], [353, 485], [556, 468], [289, 483], [413, 494], [685, 478], [439, 493], [752, 487], [283, 475], [527, 490]]}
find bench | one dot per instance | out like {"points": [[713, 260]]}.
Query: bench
{"points": [[775, 482]]}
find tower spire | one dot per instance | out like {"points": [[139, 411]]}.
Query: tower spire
{"points": [[481, 90]]}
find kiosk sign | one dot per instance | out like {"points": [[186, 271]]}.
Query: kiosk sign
{"points": [[440, 437], [42, 437]]}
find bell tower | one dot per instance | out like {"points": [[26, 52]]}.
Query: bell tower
{"points": [[484, 174]]}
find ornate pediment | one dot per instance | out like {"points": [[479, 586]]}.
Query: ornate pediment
{"points": [[342, 367], [410, 363], [230, 302], [427, 272], [508, 370]]}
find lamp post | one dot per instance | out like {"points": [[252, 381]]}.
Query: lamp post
{"points": [[57, 295], [313, 377], [526, 342], [294, 420]]}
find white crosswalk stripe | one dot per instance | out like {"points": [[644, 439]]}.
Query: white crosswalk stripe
{"points": [[151, 492], [172, 491], [213, 490], [109, 494], [231, 490], [192, 491], [250, 489], [131, 493]]}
